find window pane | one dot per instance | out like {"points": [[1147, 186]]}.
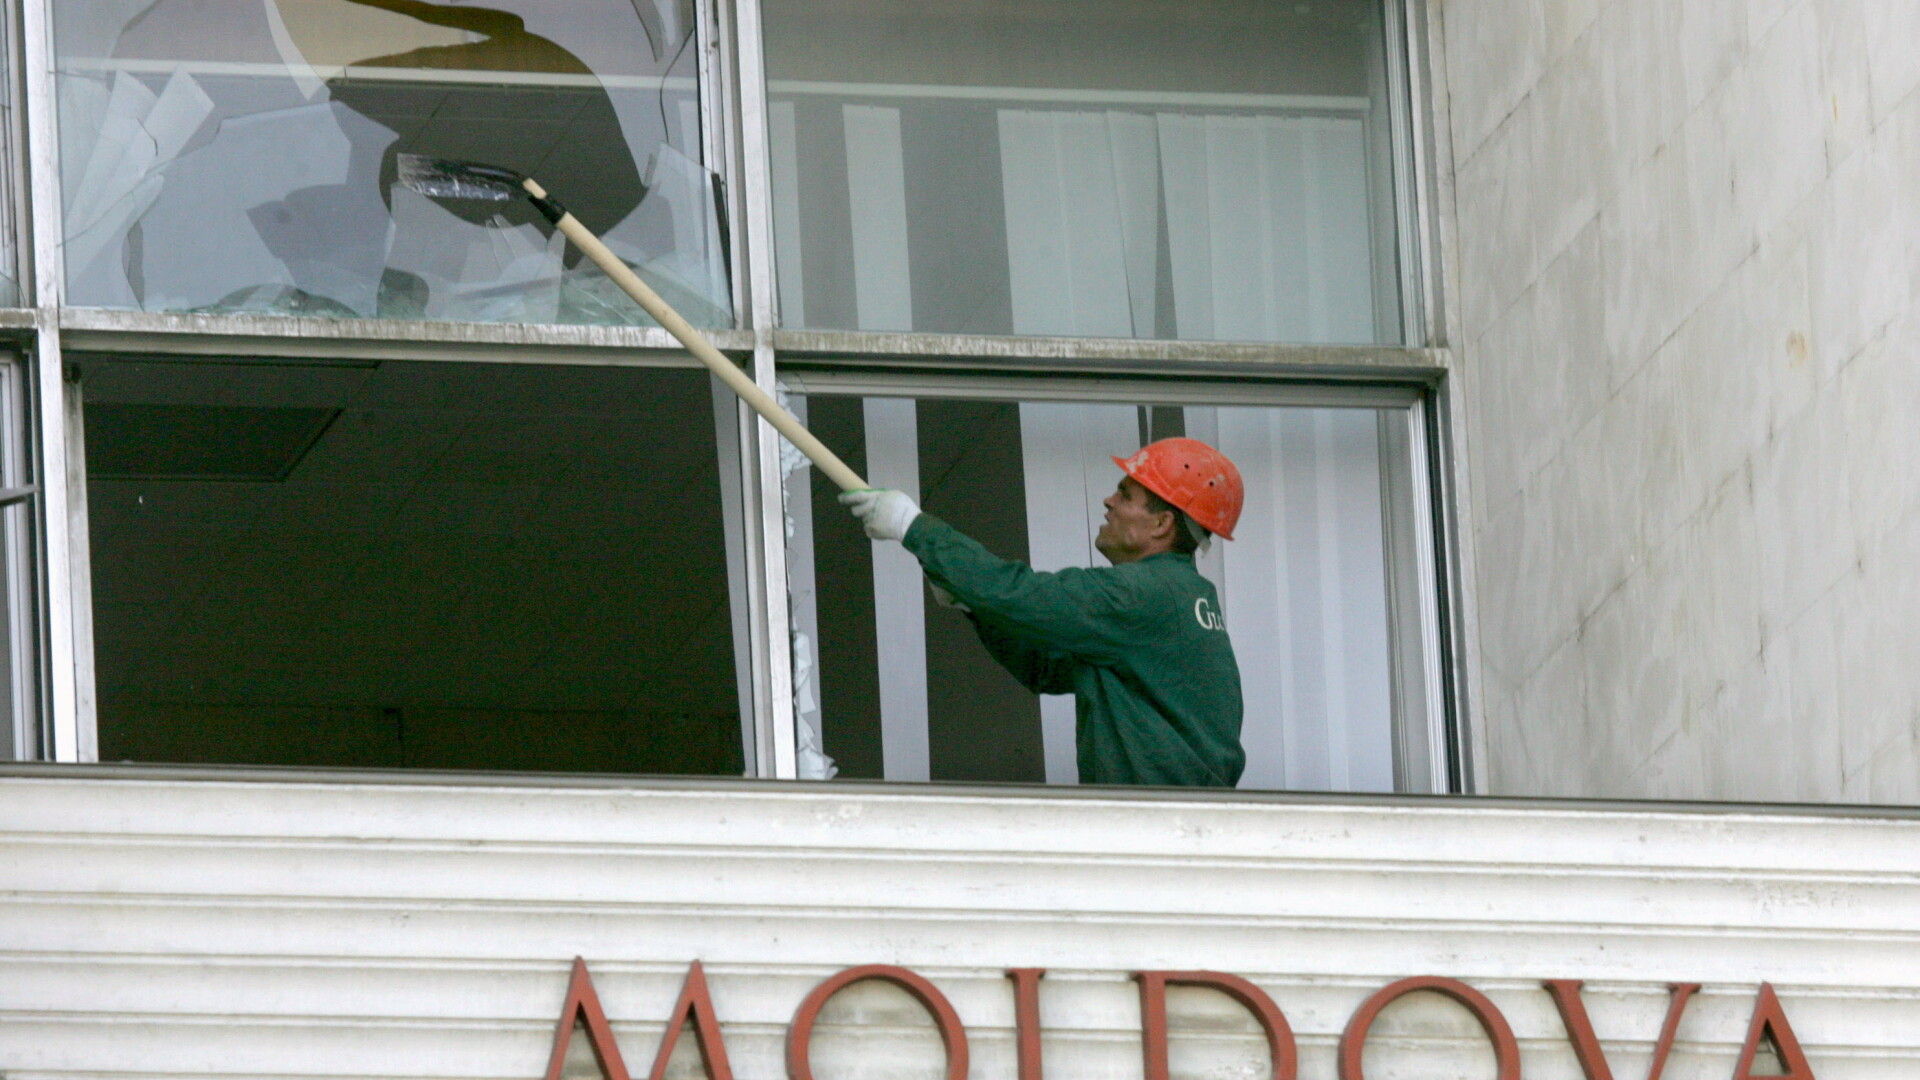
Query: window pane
{"points": [[905, 689], [9, 230], [20, 734], [420, 565], [1214, 170], [241, 157]]}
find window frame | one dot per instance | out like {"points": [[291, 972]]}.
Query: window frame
{"points": [[21, 602], [734, 135], [1425, 760]]}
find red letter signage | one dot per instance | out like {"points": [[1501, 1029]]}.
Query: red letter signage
{"points": [[1586, 1045], [581, 1003], [1153, 1017], [694, 1000], [800, 1035], [1026, 1018], [1770, 1022], [1352, 1041]]}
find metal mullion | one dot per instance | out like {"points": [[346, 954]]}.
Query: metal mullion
{"points": [[1451, 479], [1444, 764], [1423, 761], [16, 140], [1406, 202], [1183, 389], [42, 282], [719, 130], [103, 329], [774, 655], [1357, 362], [1413, 179], [18, 563], [69, 715]]}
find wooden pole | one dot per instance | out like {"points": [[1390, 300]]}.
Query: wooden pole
{"points": [[703, 350]]}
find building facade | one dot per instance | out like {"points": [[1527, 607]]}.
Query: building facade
{"points": [[417, 665]]}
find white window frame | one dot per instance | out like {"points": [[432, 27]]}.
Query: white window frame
{"points": [[1424, 758]]}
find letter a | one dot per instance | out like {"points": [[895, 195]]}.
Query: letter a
{"points": [[1770, 1022], [583, 1004], [706, 1028]]}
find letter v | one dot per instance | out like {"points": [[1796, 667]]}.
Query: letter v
{"points": [[583, 1003], [694, 999], [1586, 1045]]}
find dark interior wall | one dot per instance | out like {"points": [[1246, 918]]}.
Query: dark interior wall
{"points": [[449, 566], [981, 724], [843, 598]]}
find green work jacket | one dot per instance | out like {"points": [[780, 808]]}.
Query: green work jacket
{"points": [[1141, 647]]}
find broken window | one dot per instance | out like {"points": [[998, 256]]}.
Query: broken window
{"points": [[422, 565], [1317, 589], [240, 157], [1217, 170]]}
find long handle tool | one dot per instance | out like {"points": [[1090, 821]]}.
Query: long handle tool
{"points": [[439, 178]]}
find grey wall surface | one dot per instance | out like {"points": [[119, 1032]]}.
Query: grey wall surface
{"points": [[1685, 323]]}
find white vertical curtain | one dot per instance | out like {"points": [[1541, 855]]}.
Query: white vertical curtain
{"points": [[1266, 237], [1304, 591], [899, 596], [1266, 224], [1080, 195], [877, 194], [783, 135], [1067, 449]]}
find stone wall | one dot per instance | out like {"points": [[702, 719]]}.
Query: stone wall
{"points": [[159, 924], [1685, 322]]}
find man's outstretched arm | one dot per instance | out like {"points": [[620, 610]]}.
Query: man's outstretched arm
{"points": [[1083, 613], [1040, 670]]}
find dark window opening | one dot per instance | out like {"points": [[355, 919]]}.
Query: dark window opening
{"points": [[417, 565]]}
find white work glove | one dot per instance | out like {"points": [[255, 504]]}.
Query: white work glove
{"points": [[886, 514], [945, 598]]}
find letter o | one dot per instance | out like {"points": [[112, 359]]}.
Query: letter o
{"points": [[952, 1034], [1506, 1050]]}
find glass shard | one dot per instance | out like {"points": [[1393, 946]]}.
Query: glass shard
{"points": [[269, 157]]}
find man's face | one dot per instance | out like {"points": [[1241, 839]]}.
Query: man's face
{"points": [[1132, 530]]}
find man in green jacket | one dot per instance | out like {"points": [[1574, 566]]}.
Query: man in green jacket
{"points": [[1140, 644]]}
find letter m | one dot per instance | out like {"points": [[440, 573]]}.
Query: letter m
{"points": [[583, 1007]]}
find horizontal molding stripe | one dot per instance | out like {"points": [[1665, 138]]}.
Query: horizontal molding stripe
{"points": [[219, 928], [1117, 862]]}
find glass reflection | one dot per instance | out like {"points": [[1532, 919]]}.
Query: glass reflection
{"points": [[9, 229], [241, 157], [1215, 170]]}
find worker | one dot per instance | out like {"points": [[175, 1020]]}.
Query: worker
{"points": [[1140, 644]]}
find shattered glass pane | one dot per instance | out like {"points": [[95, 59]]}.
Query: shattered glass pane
{"points": [[241, 157]]}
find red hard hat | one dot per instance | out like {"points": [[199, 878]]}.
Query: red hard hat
{"points": [[1192, 476]]}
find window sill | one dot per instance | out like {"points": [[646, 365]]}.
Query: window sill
{"points": [[109, 330], [1340, 362], [113, 330], [1005, 794]]}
